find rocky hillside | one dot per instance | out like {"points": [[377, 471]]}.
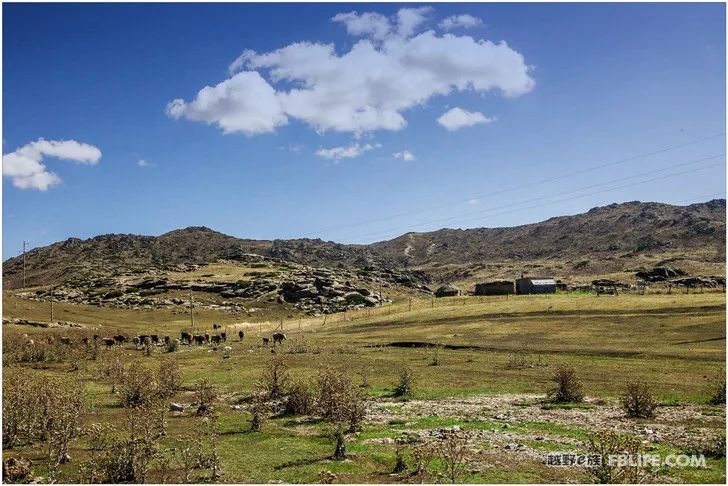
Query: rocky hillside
{"points": [[601, 233], [614, 230]]}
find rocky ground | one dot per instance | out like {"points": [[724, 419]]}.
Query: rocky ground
{"points": [[311, 290]]}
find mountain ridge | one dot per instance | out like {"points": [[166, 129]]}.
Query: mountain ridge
{"points": [[615, 230]]}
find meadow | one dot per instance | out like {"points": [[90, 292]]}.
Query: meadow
{"points": [[480, 364]]}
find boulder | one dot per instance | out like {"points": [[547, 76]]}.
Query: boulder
{"points": [[448, 290]]}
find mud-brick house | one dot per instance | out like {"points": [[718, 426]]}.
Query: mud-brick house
{"points": [[499, 287]]}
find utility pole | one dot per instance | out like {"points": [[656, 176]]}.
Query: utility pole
{"points": [[52, 289], [24, 243], [192, 310]]}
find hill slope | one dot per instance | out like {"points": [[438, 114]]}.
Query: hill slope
{"points": [[617, 230]]}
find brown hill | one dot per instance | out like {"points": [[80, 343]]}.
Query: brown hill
{"points": [[625, 231]]}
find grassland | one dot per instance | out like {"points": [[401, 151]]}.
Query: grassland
{"points": [[494, 359]]}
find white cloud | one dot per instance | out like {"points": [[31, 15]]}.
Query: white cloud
{"points": [[464, 21], [245, 103], [350, 152], [473, 202], [404, 155], [24, 166], [391, 69], [457, 118], [145, 163]]}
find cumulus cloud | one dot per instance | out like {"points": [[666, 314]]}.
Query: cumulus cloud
{"points": [[404, 155], [457, 118], [350, 152], [24, 166], [392, 67], [245, 103], [464, 21]]}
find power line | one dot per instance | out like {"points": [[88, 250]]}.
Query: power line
{"points": [[533, 184], [399, 231]]}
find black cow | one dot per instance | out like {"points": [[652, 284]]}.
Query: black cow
{"points": [[216, 339], [199, 340], [186, 336], [223, 336], [241, 335], [278, 337], [108, 342], [155, 338], [266, 342], [120, 339]]}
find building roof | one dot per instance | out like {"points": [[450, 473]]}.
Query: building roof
{"points": [[542, 281]]}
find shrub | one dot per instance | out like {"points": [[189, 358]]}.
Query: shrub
{"points": [[341, 403], [405, 388], [169, 379], [299, 400], [172, 346], [275, 378], [138, 387], [637, 401], [718, 394], [259, 412], [451, 450], [608, 444], [205, 395], [567, 385]]}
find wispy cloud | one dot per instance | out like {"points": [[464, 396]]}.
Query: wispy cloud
{"points": [[464, 21], [404, 155], [350, 152], [145, 163], [25, 168]]}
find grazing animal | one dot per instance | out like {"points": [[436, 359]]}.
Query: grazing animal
{"points": [[84, 340], [266, 342], [120, 339], [186, 336], [143, 338], [216, 326], [216, 339], [155, 338], [278, 337], [65, 340], [166, 339], [51, 340], [223, 336], [207, 338], [199, 340], [136, 341], [241, 335], [108, 342]]}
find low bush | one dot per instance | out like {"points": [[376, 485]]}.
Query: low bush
{"points": [[609, 444], [567, 385], [299, 399], [637, 401]]}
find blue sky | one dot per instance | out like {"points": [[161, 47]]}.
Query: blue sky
{"points": [[574, 87]]}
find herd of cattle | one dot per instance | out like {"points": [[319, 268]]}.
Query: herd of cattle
{"points": [[144, 340]]}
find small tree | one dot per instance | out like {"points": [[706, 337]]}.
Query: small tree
{"points": [[451, 450], [609, 444], [169, 378], [275, 378], [205, 395], [138, 387], [637, 401], [567, 385], [405, 388]]}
